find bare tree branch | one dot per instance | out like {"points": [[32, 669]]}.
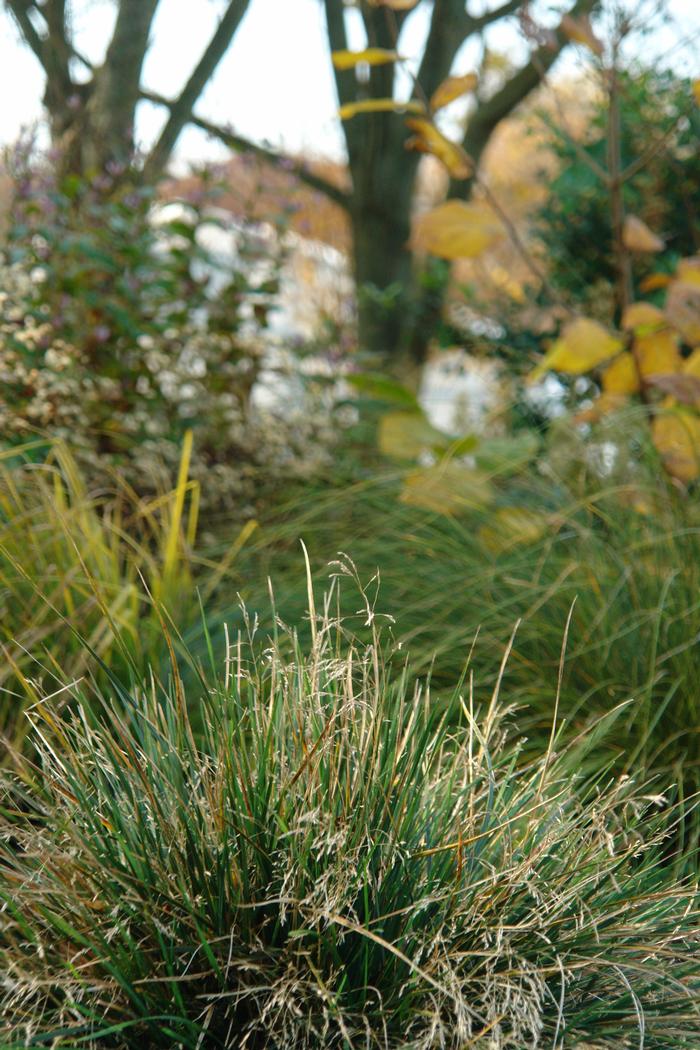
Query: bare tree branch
{"points": [[487, 19], [240, 144], [53, 51], [490, 112], [652, 150], [54, 13], [181, 108], [623, 261], [449, 27], [21, 10]]}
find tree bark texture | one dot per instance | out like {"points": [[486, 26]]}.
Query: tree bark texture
{"points": [[398, 305]]}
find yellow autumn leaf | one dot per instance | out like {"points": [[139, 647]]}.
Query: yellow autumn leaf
{"points": [[688, 270], [637, 237], [583, 344], [657, 353], [378, 105], [643, 317], [513, 527], [691, 365], [579, 30], [622, 376], [447, 488], [696, 90], [452, 88], [394, 5], [432, 140], [683, 309], [406, 434], [654, 281], [676, 435], [456, 230], [371, 56]]}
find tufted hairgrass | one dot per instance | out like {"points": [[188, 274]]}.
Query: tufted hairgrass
{"points": [[342, 859], [634, 577]]}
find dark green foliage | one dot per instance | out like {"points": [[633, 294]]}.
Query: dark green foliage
{"points": [[122, 329], [660, 124]]}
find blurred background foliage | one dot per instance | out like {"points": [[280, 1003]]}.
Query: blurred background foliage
{"points": [[660, 124]]}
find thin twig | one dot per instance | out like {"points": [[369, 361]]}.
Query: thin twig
{"points": [[625, 292]]}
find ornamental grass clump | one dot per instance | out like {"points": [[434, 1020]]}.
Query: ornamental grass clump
{"points": [[339, 860], [625, 549], [73, 554]]}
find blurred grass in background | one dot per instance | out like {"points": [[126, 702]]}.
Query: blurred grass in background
{"points": [[91, 573]]}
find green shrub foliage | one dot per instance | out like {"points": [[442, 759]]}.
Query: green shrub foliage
{"points": [[120, 331]]}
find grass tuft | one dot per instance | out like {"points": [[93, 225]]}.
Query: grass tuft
{"points": [[342, 859], [627, 554]]}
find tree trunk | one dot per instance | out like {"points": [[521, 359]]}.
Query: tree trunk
{"points": [[115, 95], [382, 265], [92, 122], [398, 306]]}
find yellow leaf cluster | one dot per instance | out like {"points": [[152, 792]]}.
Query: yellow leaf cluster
{"points": [[641, 318], [456, 230], [676, 435], [583, 344], [657, 353], [653, 362], [655, 346], [622, 376], [429, 139], [675, 428]]}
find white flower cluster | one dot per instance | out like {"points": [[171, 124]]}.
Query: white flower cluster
{"points": [[41, 382]]}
